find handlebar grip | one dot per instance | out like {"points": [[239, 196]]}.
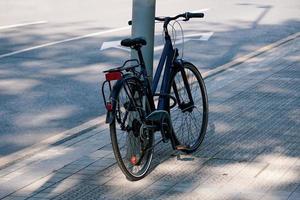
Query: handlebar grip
{"points": [[160, 19], [194, 15]]}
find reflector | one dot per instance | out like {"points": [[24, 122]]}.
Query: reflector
{"points": [[110, 76], [109, 106], [133, 160]]}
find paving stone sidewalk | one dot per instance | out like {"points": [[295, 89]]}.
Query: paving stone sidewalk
{"points": [[251, 150]]}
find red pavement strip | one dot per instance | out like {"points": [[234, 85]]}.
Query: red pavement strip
{"points": [[97, 122]]}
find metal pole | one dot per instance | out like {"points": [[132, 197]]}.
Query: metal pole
{"points": [[143, 15]]}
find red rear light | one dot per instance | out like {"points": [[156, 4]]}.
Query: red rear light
{"points": [[109, 106], [133, 160], [110, 76]]}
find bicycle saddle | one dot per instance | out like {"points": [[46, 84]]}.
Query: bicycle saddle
{"points": [[133, 42]]}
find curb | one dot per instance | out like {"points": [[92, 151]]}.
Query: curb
{"points": [[97, 122], [51, 141]]}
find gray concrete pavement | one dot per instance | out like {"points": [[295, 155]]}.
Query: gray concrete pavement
{"points": [[54, 88], [251, 150]]}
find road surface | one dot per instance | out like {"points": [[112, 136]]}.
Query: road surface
{"points": [[51, 63]]}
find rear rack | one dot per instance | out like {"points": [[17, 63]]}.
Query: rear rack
{"points": [[124, 67], [117, 74]]}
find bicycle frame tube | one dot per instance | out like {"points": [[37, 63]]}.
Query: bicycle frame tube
{"points": [[167, 58]]}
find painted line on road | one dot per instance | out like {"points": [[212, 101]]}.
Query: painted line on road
{"points": [[63, 41], [204, 37], [117, 43], [99, 121], [201, 10], [113, 44], [70, 39], [23, 24]]}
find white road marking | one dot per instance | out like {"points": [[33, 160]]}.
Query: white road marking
{"points": [[113, 44], [201, 10], [63, 41], [116, 44], [204, 37], [23, 24], [71, 39]]}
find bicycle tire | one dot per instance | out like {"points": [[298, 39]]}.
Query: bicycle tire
{"points": [[123, 160], [183, 121]]}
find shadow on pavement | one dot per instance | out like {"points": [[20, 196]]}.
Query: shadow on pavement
{"points": [[48, 91]]}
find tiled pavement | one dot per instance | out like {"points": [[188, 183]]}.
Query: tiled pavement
{"points": [[251, 150]]}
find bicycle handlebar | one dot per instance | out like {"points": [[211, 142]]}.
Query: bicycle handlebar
{"points": [[186, 17], [195, 15]]}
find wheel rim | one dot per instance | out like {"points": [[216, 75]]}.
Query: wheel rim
{"points": [[188, 123], [129, 143]]}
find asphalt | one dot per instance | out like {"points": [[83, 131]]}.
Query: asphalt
{"points": [[49, 90], [251, 150]]}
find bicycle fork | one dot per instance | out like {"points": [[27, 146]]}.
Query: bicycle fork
{"points": [[184, 106]]}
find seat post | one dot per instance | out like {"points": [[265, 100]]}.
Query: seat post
{"points": [[148, 79], [140, 55]]}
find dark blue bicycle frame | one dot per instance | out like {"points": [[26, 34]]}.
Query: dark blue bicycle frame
{"points": [[167, 58]]}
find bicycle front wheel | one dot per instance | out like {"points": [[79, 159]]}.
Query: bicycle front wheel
{"points": [[132, 144], [189, 115]]}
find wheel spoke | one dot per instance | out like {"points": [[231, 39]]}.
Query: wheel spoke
{"points": [[127, 145], [187, 123]]}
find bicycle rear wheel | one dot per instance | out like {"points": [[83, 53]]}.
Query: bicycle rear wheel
{"points": [[132, 144], [189, 118]]}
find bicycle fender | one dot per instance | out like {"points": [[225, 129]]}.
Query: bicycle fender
{"points": [[110, 115], [180, 63]]}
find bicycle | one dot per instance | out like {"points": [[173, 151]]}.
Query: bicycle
{"points": [[181, 114]]}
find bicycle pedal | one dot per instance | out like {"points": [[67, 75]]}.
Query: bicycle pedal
{"points": [[181, 147]]}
